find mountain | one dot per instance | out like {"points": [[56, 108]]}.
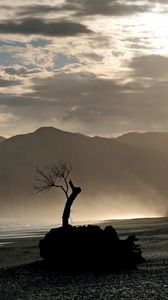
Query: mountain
{"points": [[2, 139], [117, 179], [157, 141]]}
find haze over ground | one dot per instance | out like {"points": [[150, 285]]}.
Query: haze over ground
{"points": [[118, 179]]}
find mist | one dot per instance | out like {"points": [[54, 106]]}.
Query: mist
{"points": [[87, 209], [118, 180]]}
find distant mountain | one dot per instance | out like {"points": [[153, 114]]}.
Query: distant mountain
{"points": [[117, 178], [157, 141], [2, 139]]}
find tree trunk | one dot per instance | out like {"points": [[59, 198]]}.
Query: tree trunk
{"points": [[70, 200]]}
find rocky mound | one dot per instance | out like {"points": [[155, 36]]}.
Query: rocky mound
{"points": [[89, 248]]}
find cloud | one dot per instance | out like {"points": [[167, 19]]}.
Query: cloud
{"points": [[82, 101], [21, 71], [78, 85], [43, 27], [93, 56], [101, 83], [7, 117], [38, 9], [151, 66], [22, 101], [108, 7], [6, 83], [88, 8], [88, 100]]}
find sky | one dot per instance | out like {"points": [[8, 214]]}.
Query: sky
{"points": [[90, 66]]}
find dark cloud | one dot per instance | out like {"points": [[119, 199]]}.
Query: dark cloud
{"points": [[16, 102], [43, 27], [108, 7], [79, 96], [79, 86], [88, 8], [151, 66], [83, 98], [21, 71], [6, 83], [38, 10]]}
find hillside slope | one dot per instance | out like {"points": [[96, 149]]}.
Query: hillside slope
{"points": [[157, 141], [2, 139], [115, 178]]}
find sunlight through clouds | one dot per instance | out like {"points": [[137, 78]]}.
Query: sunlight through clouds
{"points": [[120, 44]]}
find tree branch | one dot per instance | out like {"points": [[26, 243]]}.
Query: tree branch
{"points": [[71, 185], [57, 177]]}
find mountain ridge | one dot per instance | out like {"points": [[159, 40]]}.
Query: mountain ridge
{"points": [[2, 138], [115, 177], [157, 141]]}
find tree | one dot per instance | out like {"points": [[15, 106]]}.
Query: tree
{"points": [[57, 176]]}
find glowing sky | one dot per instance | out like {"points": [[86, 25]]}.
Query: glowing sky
{"points": [[91, 66]]}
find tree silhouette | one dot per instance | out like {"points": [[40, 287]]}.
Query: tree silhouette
{"points": [[57, 176], [81, 247]]}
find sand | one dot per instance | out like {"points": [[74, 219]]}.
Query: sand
{"points": [[23, 276]]}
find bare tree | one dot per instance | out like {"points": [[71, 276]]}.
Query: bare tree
{"points": [[57, 176]]}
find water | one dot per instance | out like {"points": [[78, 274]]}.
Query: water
{"points": [[152, 235], [19, 245], [12, 231], [2, 244], [12, 235]]}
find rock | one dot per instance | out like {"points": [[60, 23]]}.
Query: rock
{"points": [[89, 248]]}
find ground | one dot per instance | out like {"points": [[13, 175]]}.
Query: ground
{"points": [[31, 281]]}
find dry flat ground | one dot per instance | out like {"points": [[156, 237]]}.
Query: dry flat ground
{"points": [[32, 281]]}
